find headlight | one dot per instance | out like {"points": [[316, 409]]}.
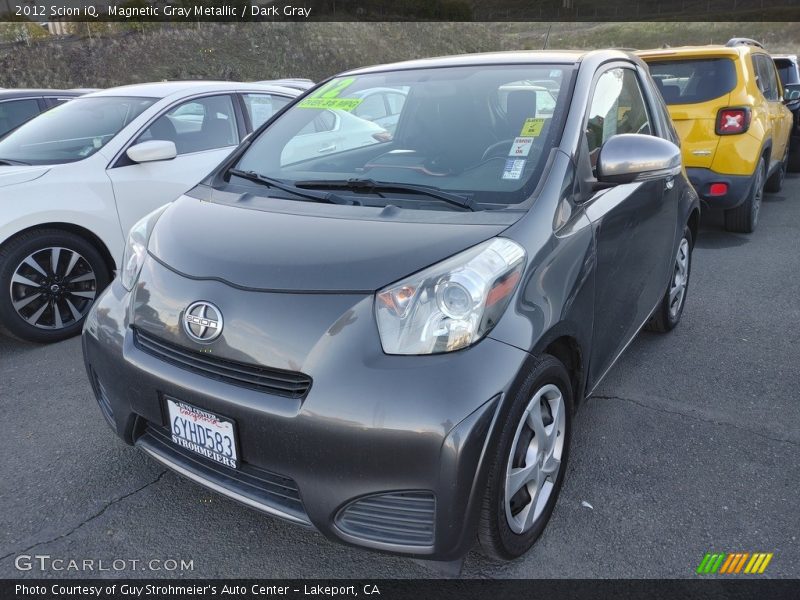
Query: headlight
{"points": [[452, 304], [136, 248]]}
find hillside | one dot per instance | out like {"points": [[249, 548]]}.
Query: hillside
{"points": [[251, 51]]}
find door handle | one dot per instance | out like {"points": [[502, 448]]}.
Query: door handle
{"points": [[325, 149], [669, 183]]}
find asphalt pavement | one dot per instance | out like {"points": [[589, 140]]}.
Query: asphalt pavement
{"points": [[690, 445]]}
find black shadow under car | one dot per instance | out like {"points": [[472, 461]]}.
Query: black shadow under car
{"points": [[384, 336]]}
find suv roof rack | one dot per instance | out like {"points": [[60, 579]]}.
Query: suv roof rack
{"points": [[738, 41]]}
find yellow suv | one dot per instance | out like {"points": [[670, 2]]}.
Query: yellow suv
{"points": [[727, 105]]}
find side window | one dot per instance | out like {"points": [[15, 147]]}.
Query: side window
{"points": [[767, 77], [53, 102], [396, 102], [197, 125], [617, 106], [373, 107], [324, 121], [545, 104], [261, 107], [14, 113]]}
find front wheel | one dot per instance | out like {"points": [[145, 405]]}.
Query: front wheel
{"points": [[529, 463], [669, 311], [49, 280]]}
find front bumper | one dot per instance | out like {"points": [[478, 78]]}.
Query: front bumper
{"points": [[414, 430], [739, 187]]}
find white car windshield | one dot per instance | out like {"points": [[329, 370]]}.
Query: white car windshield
{"points": [[483, 132], [72, 131]]}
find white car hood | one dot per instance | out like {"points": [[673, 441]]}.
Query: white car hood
{"points": [[23, 174]]}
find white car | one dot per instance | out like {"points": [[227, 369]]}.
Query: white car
{"points": [[381, 105], [332, 131], [75, 179]]}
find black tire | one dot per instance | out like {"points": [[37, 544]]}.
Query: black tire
{"points": [[744, 218], [496, 539], [666, 317], [775, 182], [56, 291]]}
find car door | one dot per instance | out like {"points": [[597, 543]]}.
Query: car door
{"points": [[321, 136], [634, 224], [778, 113], [205, 130]]}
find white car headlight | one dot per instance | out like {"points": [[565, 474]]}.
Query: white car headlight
{"points": [[452, 304], [136, 248]]}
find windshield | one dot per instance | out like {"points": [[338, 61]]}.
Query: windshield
{"points": [[691, 81], [72, 131], [481, 132]]}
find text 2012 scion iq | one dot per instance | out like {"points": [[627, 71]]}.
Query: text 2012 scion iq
{"points": [[385, 337]]}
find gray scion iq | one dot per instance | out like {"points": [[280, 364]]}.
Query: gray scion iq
{"points": [[381, 327]]}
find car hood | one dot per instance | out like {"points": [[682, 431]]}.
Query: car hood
{"points": [[23, 174], [279, 251]]}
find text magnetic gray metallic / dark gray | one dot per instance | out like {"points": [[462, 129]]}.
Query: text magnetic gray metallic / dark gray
{"points": [[377, 318]]}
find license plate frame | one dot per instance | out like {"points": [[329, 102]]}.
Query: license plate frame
{"points": [[203, 432]]}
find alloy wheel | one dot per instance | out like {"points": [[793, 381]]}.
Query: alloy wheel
{"points": [[535, 459], [758, 195], [680, 279], [53, 288]]}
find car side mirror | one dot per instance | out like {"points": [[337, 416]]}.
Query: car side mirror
{"points": [[629, 157], [151, 151], [791, 92]]}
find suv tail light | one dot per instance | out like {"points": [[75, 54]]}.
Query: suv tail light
{"points": [[732, 120]]}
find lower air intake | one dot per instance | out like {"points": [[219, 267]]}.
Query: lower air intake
{"points": [[401, 518], [102, 399]]}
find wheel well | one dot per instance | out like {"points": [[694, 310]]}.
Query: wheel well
{"points": [[567, 350], [694, 224], [77, 230], [766, 154]]}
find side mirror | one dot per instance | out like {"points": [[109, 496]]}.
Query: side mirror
{"points": [[152, 151], [791, 92], [629, 157]]}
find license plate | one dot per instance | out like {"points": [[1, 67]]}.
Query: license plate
{"points": [[203, 432]]}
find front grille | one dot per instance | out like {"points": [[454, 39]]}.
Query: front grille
{"points": [[289, 384], [261, 489], [403, 518]]}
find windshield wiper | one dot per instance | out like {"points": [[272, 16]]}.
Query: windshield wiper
{"points": [[13, 163], [326, 197], [369, 185]]}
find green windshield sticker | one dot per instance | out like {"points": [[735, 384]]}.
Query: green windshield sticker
{"points": [[332, 89], [346, 104], [328, 96], [532, 127]]}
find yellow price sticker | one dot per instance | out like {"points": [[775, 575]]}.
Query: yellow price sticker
{"points": [[532, 127]]}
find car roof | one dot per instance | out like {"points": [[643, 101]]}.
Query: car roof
{"points": [[7, 94], [165, 89], [566, 57], [297, 83], [699, 51]]}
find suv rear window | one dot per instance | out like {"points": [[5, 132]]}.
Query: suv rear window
{"points": [[691, 81]]}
